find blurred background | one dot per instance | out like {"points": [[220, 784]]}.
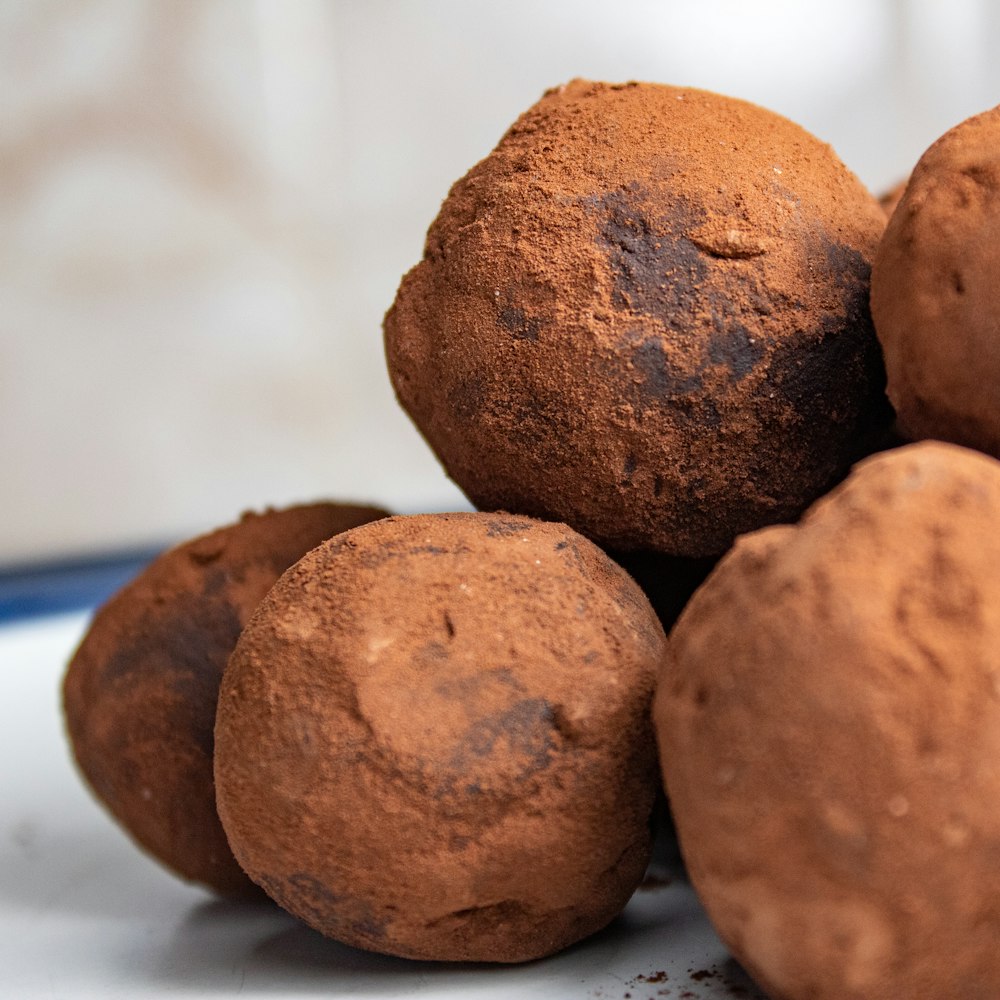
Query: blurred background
{"points": [[206, 207]]}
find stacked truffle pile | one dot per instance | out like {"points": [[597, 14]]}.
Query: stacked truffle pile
{"points": [[642, 322]]}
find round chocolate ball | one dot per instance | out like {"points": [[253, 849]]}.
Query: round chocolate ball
{"points": [[829, 728], [434, 738], [645, 314], [141, 690], [934, 291]]}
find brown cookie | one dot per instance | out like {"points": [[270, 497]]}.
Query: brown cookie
{"points": [[645, 314], [141, 690], [934, 291], [829, 727], [434, 738]]}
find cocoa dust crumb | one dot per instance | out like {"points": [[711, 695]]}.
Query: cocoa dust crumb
{"points": [[653, 977]]}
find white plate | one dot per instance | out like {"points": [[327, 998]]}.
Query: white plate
{"points": [[84, 915]]}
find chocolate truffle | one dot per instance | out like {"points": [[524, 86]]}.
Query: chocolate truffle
{"points": [[434, 738], [829, 727], [645, 314], [934, 291], [141, 690]]}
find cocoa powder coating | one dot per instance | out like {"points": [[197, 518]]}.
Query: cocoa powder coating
{"points": [[934, 291], [141, 690], [645, 314], [434, 738], [829, 729]]}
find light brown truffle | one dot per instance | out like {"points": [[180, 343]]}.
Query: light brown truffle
{"points": [[934, 291], [645, 314], [829, 726], [141, 690], [434, 738]]}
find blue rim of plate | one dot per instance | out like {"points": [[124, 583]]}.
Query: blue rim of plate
{"points": [[50, 588]]}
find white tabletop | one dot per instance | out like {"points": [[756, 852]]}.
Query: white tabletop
{"points": [[83, 914]]}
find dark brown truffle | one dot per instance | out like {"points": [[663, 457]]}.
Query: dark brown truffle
{"points": [[645, 314], [434, 738], [141, 691], [934, 291], [829, 725]]}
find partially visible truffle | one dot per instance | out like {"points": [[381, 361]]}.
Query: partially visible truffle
{"points": [[434, 738], [645, 314], [891, 198], [934, 291], [141, 690], [829, 726]]}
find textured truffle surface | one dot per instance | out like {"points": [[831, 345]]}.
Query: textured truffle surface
{"points": [[645, 314], [140, 692], [934, 291], [434, 738], [829, 725]]}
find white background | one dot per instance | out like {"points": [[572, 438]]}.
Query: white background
{"points": [[206, 206]]}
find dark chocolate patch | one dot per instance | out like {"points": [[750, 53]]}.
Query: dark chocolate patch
{"points": [[191, 639], [469, 688], [514, 320], [650, 360], [848, 267], [467, 398], [656, 268], [660, 384], [216, 581], [659, 272], [810, 370], [734, 346], [334, 913], [372, 559], [488, 915], [525, 729], [498, 528], [188, 648]]}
